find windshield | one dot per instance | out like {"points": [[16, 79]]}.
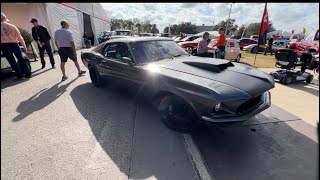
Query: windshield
{"points": [[148, 51], [123, 33], [186, 38], [198, 39]]}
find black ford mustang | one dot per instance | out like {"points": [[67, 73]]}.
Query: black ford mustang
{"points": [[185, 89]]}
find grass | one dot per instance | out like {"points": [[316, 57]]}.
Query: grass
{"points": [[262, 61]]}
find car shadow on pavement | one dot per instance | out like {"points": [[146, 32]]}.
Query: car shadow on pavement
{"points": [[40, 100], [311, 88], [282, 150], [131, 134]]}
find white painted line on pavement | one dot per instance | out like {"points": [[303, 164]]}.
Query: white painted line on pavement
{"points": [[196, 158]]}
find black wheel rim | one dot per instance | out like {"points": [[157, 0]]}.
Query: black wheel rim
{"points": [[179, 115], [189, 50]]}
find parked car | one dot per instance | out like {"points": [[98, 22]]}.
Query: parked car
{"points": [[246, 42], [5, 66], [277, 44], [104, 36], [146, 34], [309, 43], [188, 38], [235, 37], [186, 90], [4, 63], [212, 34], [255, 37], [191, 46], [232, 50], [123, 33]]}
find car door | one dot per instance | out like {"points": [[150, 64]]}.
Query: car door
{"points": [[111, 65], [228, 51]]}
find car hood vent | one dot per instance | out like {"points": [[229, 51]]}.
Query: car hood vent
{"points": [[214, 67]]}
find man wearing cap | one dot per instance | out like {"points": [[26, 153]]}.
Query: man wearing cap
{"points": [[66, 48], [221, 44], [41, 35], [10, 37], [203, 48]]}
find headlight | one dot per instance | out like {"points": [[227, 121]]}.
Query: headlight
{"points": [[217, 107]]}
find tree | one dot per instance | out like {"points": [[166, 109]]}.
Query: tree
{"points": [[241, 30], [254, 28], [131, 23], [184, 27], [154, 29], [231, 25]]}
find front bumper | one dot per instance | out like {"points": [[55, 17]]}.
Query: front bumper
{"points": [[266, 103]]}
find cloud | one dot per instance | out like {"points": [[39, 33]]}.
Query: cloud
{"points": [[284, 16]]}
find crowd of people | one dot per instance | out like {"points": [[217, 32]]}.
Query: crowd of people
{"points": [[11, 37]]}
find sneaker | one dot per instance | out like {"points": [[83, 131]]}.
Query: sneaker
{"points": [[43, 66], [64, 78], [28, 76], [81, 73]]}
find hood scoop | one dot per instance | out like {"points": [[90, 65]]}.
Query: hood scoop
{"points": [[212, 66]]}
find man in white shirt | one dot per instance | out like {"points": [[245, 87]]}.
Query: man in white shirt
{"points": [[66, 48]]}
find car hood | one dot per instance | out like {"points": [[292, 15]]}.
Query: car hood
{"points": [[239, 76], [187, 42]]}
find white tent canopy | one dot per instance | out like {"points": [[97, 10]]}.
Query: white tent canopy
{"points": [[50, 15]]}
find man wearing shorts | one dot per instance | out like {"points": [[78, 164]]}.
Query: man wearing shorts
{"points": [[66, 48]]}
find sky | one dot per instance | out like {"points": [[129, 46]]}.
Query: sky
{"points": [[284, 16]]}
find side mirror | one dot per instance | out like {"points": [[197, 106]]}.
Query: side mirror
{"points": [[127, 60]]}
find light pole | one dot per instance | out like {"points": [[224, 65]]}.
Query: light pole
{"points": [[228, 19]]}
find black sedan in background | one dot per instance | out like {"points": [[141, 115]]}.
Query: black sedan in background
{"points": [[185, 89]]}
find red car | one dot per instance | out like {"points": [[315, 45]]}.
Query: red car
{"points": [[246, 42], [309, 43], [191, 46]]}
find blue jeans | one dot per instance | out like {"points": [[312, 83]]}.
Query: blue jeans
{"points": [[220, 53], [8, 49]]}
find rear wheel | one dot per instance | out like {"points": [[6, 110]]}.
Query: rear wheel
{"points": [[254, 50], [95, 77], [189, 49], [309, 79], [177, 114], [286, 80]]}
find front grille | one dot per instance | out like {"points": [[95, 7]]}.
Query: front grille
{"points": [[250, 104]]}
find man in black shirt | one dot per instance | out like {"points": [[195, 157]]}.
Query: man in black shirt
{"points": [[41, 35], [270, 42]]}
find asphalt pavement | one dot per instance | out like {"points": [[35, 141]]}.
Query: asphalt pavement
{"points": [[72, 130]]}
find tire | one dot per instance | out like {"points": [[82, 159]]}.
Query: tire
{"points": [[238, 58], [177, 114], [286, 80], [189, 49], [309, 79], [254, 50], [95, 77]]}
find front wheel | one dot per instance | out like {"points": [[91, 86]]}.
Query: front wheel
{"points": [[189, 49], [95, 77], [177, 114]]}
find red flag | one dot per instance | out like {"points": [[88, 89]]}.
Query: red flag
{"points": [[263, 28], [264, 22]]}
